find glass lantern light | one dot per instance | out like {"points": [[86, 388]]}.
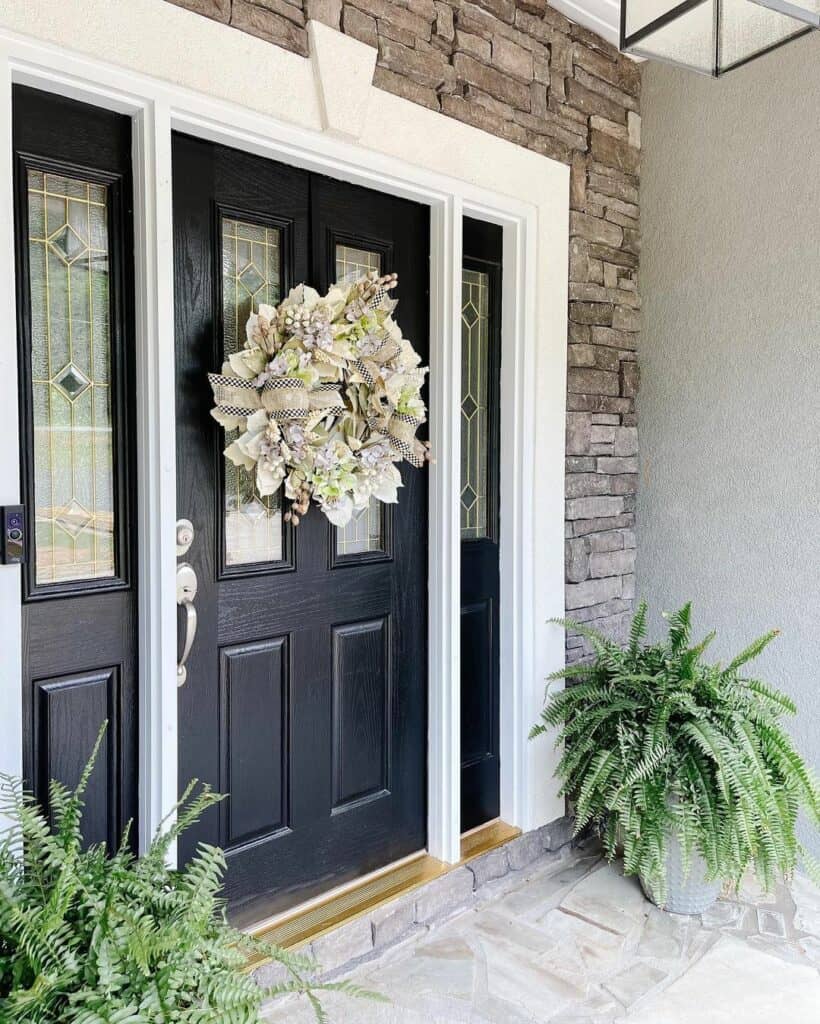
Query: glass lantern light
{"points": [[710, 36], [803, 10]]}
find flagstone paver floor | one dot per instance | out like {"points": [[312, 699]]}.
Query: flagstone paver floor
{"points": [[574, 942]]}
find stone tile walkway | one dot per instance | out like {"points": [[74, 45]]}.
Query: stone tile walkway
{"points": [[570, 940]]}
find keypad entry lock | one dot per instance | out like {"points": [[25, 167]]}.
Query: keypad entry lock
{"points": [[186, 595], [13, 541]]}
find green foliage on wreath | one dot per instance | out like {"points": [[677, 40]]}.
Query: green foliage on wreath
{"points": [[657, 742], [91, 938]]}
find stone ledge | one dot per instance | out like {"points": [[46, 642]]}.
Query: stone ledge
{"points": [[367, 937]]}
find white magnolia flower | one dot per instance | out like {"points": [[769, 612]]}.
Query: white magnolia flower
{"points": [[338, 510]]}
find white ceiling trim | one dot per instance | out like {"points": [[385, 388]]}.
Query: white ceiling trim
{"points": [[602, 16]]}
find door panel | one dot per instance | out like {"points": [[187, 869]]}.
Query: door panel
{"points": [[306, 692], [73, 230], [361, 711], [69, 711], [480, 442], [255, 677]]}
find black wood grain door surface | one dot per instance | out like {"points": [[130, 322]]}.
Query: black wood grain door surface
{"points": [[480, 443], [306, 692], [73, 231]]}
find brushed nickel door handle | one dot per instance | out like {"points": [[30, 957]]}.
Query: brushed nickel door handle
{"points": [[190, 634]]}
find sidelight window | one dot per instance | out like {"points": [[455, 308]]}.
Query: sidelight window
{"points": [[475, 369], [71, 380]]}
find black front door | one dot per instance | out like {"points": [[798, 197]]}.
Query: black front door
{"points": [[74, 273], [305, 698]]}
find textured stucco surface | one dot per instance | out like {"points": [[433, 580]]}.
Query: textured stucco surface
{"points": [[729, 409]]}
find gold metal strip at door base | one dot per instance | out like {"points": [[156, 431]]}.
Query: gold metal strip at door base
{"points": [[310, 920], [485, 838]]}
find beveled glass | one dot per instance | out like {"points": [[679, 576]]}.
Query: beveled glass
{"points": [[69, 280], [251, 275]]}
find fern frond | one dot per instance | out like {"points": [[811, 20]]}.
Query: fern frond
{"points": [[92, 937]]}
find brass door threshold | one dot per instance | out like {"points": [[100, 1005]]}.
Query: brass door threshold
{"points": [[485, 838], [308, 921]]}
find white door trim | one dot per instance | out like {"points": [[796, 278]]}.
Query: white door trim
{"points": [[158, 63]]}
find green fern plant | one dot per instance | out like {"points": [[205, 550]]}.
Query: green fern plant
{"points": [[659, 743], [92, 938]]}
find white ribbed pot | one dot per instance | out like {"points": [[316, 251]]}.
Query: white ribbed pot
{"points": [[691, 894]]}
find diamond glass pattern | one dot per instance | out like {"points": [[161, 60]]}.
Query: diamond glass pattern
{"points": [[72, 382], [73, 519], [475, 336], [74, 516], [67, 243], [251, 275], [364, 531]]}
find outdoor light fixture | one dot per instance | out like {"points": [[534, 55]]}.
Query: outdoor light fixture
{"points": [[712, 36]]}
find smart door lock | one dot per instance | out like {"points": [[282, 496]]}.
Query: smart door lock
{"points": [[12, 541]]}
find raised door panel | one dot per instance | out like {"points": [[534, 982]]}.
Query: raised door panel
{"points": [[70, 711], [361, 711], [254, 740]]}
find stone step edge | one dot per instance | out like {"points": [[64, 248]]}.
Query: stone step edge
{"points": [[371, 934]]}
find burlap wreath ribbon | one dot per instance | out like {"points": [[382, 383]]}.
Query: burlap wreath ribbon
{"points": [[234, 396], [285, 399], [327, 399], [401, 432]]}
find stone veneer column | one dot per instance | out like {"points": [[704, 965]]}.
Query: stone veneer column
{"points": [[521, 70]]}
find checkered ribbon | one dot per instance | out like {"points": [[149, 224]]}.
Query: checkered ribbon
{"points": [[234, 396], [401, 432]]}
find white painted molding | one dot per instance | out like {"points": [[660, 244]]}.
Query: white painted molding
{"points": [[344, 68], [156, 461], [11, 711], [444, 538], [267, 101]]}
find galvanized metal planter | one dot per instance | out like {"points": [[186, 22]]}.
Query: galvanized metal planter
{"points": [[686, 894]]}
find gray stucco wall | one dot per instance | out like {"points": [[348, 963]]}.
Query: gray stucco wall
{"points": [[729, 408]]}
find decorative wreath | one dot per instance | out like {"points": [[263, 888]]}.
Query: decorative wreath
{"points": [[327, 394]]}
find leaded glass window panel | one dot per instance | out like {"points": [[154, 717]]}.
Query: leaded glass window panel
{"points": [[363, 533], [353, 263], [251, 275], [69, 264], [475, 336]]}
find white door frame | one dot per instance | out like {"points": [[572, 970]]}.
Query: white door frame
{"points": [[157, 63]]}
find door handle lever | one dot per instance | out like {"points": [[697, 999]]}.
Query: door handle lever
{"points": [[186, 593]]}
